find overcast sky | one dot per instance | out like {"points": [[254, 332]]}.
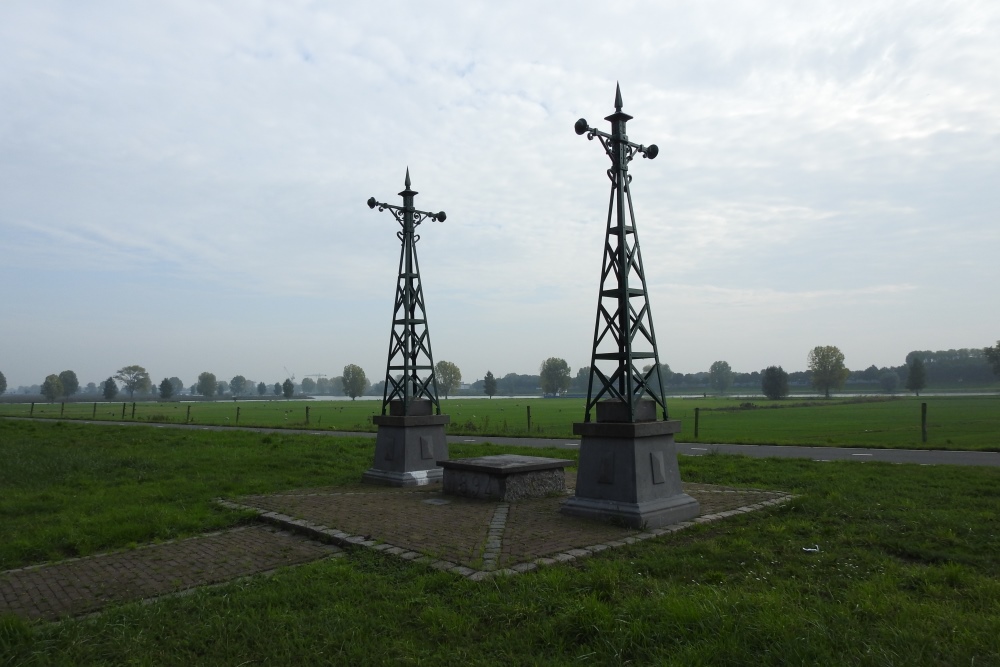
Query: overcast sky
{"points": [[183, 184]]}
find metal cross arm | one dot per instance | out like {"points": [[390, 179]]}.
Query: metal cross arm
{"points": [[582, 127], [397, 211]]}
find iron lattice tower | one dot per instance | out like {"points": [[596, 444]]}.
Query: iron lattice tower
{"points": [[410, 356], [623, 333]]}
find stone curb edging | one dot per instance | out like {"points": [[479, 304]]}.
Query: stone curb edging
{"points": [[494, 539]]}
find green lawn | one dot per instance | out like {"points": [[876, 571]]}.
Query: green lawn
{"points": [[908, 571], [954, 422]]}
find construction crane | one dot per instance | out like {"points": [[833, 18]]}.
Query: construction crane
{"points": [[291, 375], [316, 375]]}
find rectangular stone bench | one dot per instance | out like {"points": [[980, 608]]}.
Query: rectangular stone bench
{"points": [[504, 477]]}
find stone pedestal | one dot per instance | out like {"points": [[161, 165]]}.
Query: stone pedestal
{"points": [[628, 474], [505, 477], [408, 447]]}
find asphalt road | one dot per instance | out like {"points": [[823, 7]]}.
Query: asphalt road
{"points": [[914, 456]]}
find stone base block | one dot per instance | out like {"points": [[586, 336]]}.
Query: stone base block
{"points": [[412, 478], [628, 474], [650, 514], [505, 477], [407, 449]]}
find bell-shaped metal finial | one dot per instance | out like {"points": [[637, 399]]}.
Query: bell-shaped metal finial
{"points": [[618, 97]]}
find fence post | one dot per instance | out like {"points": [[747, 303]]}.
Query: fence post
{"points": [[123, 410], [94, 414], [62, 409], [529, 419], [31, 413], [923, 422], [696, 413], [133, 411], [187, 420], [307, 414], [237, 415]]}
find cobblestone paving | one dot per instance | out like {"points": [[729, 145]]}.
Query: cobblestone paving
{"points": [[83, 585]]}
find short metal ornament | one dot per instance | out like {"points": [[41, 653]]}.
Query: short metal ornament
{"points": [[409, 374]]}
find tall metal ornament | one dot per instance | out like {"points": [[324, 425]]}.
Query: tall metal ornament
{"points": [[410, 440], [410, 355], [627, 471], [623, 332]]}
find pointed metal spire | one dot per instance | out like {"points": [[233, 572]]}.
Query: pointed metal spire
{"points": [[406, 183], [618, 97]]}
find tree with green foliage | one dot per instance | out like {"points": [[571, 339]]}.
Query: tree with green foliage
{"points": [[288, 388], [554, 375], [889, 381], [70, 383], [992, 355], [52, 387], [581, 380], [774, 382], [261, 389], [665, 374], [720, 376], [448, 376], [178, 385], [355, 382], [132, 378], [207, 384], [826, 368], [916, 377], [308, 386], [3, 384], [238, 385], [489, 384], [109, 389], [166, 389], [221, 388], [278, 391]]}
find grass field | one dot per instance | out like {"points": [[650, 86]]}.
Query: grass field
{"points": [[954, 422], [908, 571]]}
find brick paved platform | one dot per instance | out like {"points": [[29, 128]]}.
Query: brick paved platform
{"points": [[469, 537], [83, 585], [476, 538]]}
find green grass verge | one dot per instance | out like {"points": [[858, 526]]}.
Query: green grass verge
{"points": [[907, 572], [954, 422]]}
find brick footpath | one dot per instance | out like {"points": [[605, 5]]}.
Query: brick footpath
{"points": [[83, 585]]}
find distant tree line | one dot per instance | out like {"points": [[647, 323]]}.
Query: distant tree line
{"points": [[827, 371]]}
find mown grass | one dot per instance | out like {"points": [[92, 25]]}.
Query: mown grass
{"points": [[70, 490], [906, 572], [954, 422]]}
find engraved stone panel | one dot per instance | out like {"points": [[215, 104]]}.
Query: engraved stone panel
{"points": [[656, 463], [426, 447]]}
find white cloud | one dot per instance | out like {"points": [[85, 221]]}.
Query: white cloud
{"points": [[816, 153]]}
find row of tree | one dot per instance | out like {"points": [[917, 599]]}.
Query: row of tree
{"points": [[826, 372]]}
